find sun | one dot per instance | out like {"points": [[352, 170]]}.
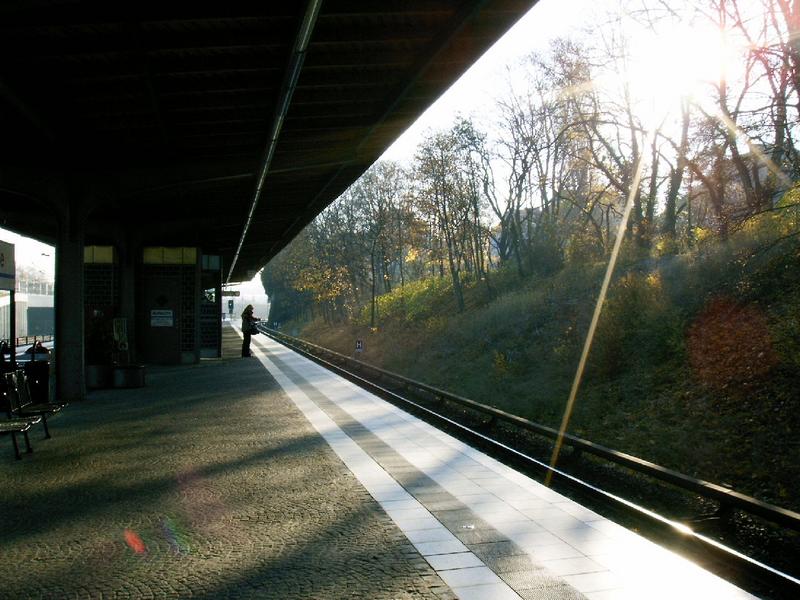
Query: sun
{"points": [[679, 61]]}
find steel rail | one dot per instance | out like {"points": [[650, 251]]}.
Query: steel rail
{"points": [[691, 540], [727, 498]]}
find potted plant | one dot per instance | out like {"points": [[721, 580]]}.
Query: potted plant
{"points": [[125, 373]]}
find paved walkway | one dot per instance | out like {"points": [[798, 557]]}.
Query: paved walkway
{"points": [[207, 483]]}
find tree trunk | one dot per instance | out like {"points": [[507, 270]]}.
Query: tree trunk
{"points": [[372, 304], [457, 289], [649, 214], [676, 176]]}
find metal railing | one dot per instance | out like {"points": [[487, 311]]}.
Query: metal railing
{"points": [[41, 288], [28, 340]]}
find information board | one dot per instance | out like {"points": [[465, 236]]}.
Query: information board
{"points": [[161, 318], [7, 267]]}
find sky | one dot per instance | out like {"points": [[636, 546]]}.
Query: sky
{"points": [[29, 252], [489, 77], [469, 96]]}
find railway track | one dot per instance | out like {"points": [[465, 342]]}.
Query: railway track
{"points": [[745, 540]]}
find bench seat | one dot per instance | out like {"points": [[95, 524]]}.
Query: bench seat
{"points": [[13, 427], [20, 405]]}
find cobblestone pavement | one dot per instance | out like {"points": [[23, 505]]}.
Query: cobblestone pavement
{"points": [[207, 483]]}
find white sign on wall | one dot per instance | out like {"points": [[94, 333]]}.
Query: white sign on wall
{"points": [[161, 318], [7, 268]]}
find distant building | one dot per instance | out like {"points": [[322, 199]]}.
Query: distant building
{"points": [[35, 314]]}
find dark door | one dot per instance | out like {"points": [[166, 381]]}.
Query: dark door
{"points": [[160, 324]]}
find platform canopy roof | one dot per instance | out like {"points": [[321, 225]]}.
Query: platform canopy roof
{"points": [[166, 118]]}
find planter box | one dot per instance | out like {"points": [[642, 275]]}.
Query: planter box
{"points": [[128, 376], [98, 376]]}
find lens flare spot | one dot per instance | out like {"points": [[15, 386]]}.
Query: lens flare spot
{"points": [[134, 542], [684, 529], [729, 343], [174, 536]]}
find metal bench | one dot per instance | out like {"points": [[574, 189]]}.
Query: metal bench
{"points": [[20, 405], [12, 428]]}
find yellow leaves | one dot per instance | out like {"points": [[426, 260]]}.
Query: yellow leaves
{"points": [[666, 245], [324, 282], [653, 280], [500, 363], [790, 198], [702, 234]]}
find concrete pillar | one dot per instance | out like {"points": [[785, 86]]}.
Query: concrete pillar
{"points": [[12, 327], [129, 252], [69, 368], [198, 280]]}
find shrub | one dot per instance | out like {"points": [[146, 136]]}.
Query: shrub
{"points": [[413, 302], [636, 325]]}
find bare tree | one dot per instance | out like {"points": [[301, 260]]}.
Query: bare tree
{"points": [[443, 196]]}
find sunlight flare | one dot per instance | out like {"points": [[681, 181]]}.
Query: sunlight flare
{"points": [[677, 61], [612, 261], [775, 170]]}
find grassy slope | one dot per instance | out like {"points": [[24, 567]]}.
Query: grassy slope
{"points": [[696, 363]]}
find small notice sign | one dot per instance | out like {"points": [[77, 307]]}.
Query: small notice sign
{"points": [[7, 268], [359, 345], [161, 318]]}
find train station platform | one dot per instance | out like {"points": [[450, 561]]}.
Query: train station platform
{"points": [[270, 477]]}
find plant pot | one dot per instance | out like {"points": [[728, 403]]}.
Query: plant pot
{"points": [[128, 376], [98, 376]]}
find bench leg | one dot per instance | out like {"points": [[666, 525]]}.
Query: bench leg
{"points": [[46, 430], [16, 446], [29, 449]]}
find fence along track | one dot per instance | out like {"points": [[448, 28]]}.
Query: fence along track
{"points": [[692, 541]]}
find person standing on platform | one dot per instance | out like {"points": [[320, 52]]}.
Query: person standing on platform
{"points": [[248, 327]]}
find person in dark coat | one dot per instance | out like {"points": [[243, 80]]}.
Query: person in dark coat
{"points": [[248, 324], [38, 348]]}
